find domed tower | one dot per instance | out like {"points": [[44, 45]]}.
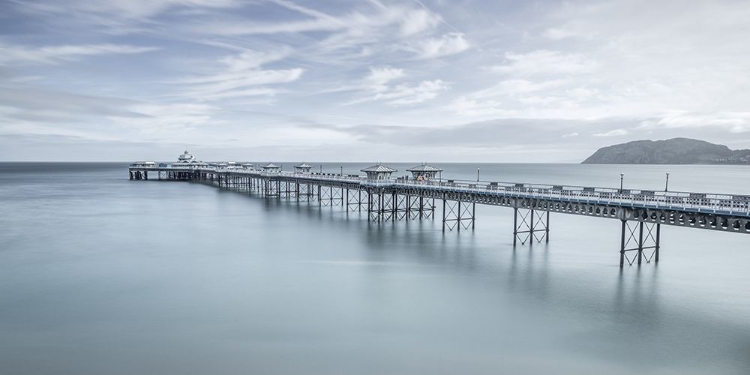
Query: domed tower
{"points": [[186, 157]]}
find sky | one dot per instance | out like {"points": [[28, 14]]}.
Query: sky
{"points": [[346, 80]]}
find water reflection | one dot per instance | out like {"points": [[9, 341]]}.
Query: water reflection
{"points": [[235, 283]]}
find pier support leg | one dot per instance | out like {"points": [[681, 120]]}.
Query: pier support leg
{"points": [[443, 213], [533, 226], [658, 242], [640, 242], [369, 205], [458, 218], [639, 237], [473, 215], [515, 225], [622, 243], [381, 206], [408, 206]]}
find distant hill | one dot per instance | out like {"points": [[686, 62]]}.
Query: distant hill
{"points": [[670, 151]]}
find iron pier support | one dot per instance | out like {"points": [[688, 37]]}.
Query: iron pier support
{"points": [[640, 236]]}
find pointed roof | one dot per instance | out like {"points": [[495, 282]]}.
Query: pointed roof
{"points": [[424, 168], [378, 168], [271, 166], [303, 165]]}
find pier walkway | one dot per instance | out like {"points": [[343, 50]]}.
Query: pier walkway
{"points": [[641, 212]]}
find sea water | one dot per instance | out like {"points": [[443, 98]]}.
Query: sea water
{"points": [[102, 275]]}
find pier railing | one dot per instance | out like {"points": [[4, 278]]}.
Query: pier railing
{"points": [[689, 201], [700, 202]]}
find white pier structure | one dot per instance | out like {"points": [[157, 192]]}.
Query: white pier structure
{"points": [[641, 212]]}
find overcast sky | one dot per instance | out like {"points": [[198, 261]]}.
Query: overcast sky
{"points": [[345, 80]]}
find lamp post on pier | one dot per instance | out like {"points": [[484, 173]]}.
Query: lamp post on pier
{"points": [[622, 176], [342, 170], [477, 174], [666, 185]]}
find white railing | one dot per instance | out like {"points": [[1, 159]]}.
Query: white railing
{"points": [[703, 202], [700, 202]]}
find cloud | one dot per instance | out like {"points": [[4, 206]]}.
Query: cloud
{"points": [[417, 21], [476, 107], [124, 8], [241, 75], [449, 44], [225, 66], [405, 21], [514, 87], [357, 32], [378, 85], [612, 133], [116, 17], [405, 94], [378, 78], [260, 28], [424, 91], [10, 54], [735, 122], [490, 134], [53, 106], [487, 102], [556, 33], [545, 62]]}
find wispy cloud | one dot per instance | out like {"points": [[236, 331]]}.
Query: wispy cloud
{"points": [[240, 75], [449, 44], [736, 122], [475, 107], [263, 72], [117, 17], [545, 62], [378, 87], [612, 133], [61, 53]]}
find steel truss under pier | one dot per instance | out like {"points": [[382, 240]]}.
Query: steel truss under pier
{"points": [[640, 212], [385, 205], [533, 226], [330, 196], [304, 192], [355, 200], [457, 216], [394, 205], [643, 236]]}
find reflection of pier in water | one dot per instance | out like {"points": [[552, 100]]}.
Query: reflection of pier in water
{"points": [[641, 212]]}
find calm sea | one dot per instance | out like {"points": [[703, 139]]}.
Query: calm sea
{"points": [[102, 275]]}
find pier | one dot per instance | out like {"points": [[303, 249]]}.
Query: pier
{"points": [[383, 198]]}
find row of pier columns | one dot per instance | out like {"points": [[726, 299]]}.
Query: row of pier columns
{"points": [[530, 224], [640, 237], [639, 240]]}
